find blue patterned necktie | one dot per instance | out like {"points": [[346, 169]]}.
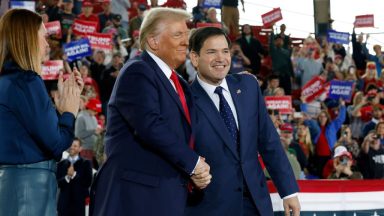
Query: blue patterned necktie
{"points": [[227, 115]]}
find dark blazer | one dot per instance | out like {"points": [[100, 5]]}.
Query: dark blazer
{"points": [[228, 167], [149, 160], [252, 50], [73, 194]]}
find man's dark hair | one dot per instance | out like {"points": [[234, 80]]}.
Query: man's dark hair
{"points": [[199, 36], [78, 139], [272, 77]]}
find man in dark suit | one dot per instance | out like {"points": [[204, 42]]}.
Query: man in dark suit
{"points": [[149, 140], [233, 127], [74, 176]]}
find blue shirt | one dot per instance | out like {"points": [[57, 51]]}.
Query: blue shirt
{"points": [[30, 129]]}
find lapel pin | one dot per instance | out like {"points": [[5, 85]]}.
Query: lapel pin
{"points": [[238, 91]]}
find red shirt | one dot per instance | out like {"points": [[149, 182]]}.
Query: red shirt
{"points": [[322, 147]]}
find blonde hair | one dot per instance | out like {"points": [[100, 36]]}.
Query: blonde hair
{"points": [[358, 97], [307, 138], [19, 39], [156, 16]]}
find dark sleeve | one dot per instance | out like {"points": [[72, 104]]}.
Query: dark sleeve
{"points": [[272, 152], [84, 176], [61, 173], [260, 48], [53, 133], [138, 102]]}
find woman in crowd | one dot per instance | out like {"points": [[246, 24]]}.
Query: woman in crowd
{"points": [[33, 133], [346, 140], [354, 114], [325, 132]]}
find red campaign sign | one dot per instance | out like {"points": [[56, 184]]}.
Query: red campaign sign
{"points": [[82, 27], [51, 69], [364, 21], [202, 25], [271, 17], [53, 28], [281, 103], [100, 41], [313, 89]]}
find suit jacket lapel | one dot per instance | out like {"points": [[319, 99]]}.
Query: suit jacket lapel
{"points": [[164, 80], [239, 99], [204, 102]]}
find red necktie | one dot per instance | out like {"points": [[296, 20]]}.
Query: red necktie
{"points": [[180, 92]]}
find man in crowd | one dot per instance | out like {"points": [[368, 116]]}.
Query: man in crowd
{"points": [[233, 128], [149, 139], [230, 16], [74, 177]]}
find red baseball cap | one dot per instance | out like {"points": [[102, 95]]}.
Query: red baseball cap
{"points": [[87, 4], [286, 127], [94, 104]]}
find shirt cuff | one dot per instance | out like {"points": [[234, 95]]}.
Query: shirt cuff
{"points": [[74, 175], [290, 196], [67, 178], [193, 171]]}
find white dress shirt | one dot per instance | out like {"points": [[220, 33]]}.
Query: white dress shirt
{"points": [[210, 89]]}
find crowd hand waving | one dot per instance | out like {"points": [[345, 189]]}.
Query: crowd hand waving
{"points": [[201, 177], [68, 97]]}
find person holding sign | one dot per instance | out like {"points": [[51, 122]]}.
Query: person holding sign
{"points": [[151, 118], [233, 129], [33, 133]]}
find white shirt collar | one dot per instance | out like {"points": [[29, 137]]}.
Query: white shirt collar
{"points": [[209, 88], [73, 159], [162, 65]]}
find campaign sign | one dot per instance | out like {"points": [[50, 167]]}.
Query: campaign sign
{"points": [[202, 25], [82, 27], [77, 49], [29, 5], [212, 3], [281, 103], [51, 69], [313, 89], [364, 21], [53, 28], [338, 37], [341, 89], [271, 17], [100, 41]]}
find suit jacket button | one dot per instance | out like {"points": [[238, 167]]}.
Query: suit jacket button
{"points": [[239, 189]]}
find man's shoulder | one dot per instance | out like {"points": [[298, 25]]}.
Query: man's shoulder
{"points": [[243, 79]]}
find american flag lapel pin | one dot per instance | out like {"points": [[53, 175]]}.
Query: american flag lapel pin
{"points": [[238, 91]]}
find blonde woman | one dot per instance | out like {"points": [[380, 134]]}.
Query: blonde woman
{"points": [[353, 110], [33, 134], [304, 140]]}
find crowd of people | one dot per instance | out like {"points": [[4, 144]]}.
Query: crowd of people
{"points": [[336, 139]]}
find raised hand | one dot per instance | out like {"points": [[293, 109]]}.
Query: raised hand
{"points": [[68, 99]]}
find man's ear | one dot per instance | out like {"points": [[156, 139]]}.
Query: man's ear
{"points": [[194, 58], [153, 43]]}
